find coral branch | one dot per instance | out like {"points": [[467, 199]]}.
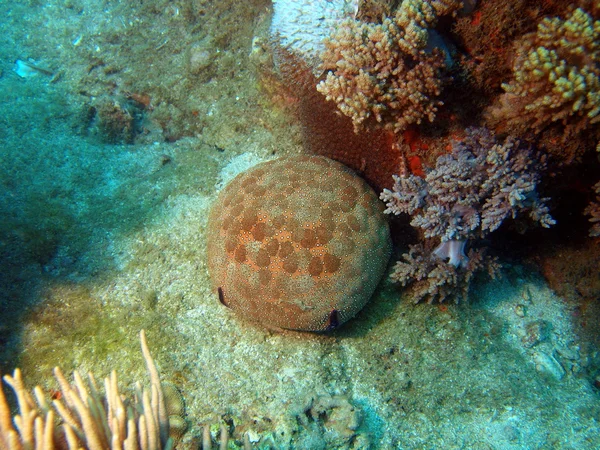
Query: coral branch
{"points": [[472, 190], [433, 279], [468, 194]]}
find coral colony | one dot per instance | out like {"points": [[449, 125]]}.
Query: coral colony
{"points": [[555, 87], [469, 193], [388, 73]]}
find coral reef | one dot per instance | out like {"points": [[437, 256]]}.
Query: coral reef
{"points": [[374, 10], [487, 37], [88, 418], [593, 210], [297, 243], [555, 84], [372, 153], [384, 73], [469, 193]]}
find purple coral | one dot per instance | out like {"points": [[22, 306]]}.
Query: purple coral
{"points": [[432, 278], [469, 193]]}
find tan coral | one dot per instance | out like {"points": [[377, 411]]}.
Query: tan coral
{"points": [[382, 71], [87, 418], [556, 79]]}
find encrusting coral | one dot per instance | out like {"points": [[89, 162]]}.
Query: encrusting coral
{"points": [[81, 417], [386, 71], [469, 193], [593, 210], [556, 80]]}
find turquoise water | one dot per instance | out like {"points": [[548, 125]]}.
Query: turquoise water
{"points": [[117, 129]]}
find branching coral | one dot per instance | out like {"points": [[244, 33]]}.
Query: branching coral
{"points": [[89, 419], [469, 193], [556, 78], [432, 278], [384, 71], [593, 210]]}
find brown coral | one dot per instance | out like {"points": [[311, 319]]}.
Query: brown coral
{"points": [[382, 73], [372, 153], [593, 210], [298, 243], [488, 35]]}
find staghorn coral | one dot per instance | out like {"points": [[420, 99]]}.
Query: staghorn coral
{"points": [[384, 71], [593, 210], [297, 243], [87, 418], [556, 84], [468, 194]]}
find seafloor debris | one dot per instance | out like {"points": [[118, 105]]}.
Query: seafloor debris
{"points": [[548, 365], [26, 69]]}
